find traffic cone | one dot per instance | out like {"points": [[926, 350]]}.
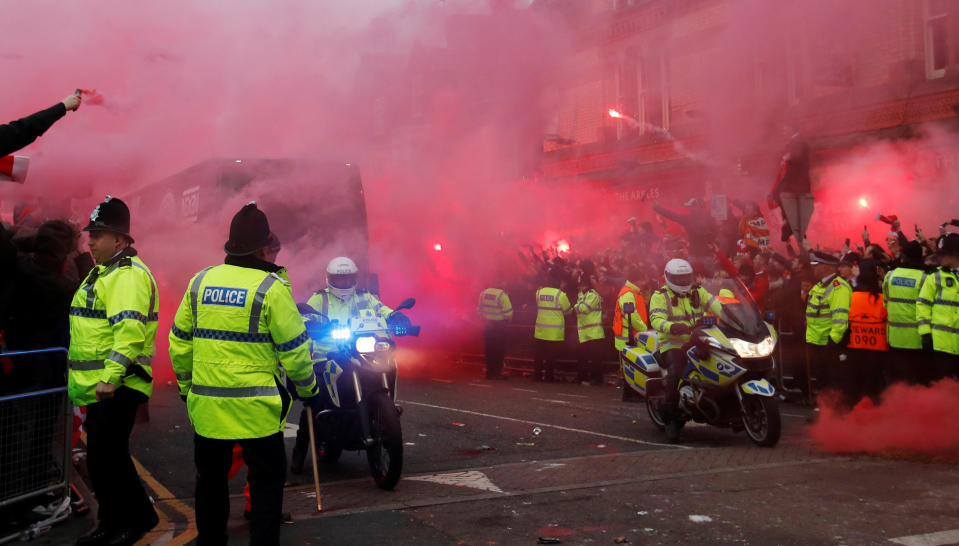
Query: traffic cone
{"points": [[13, 168]]}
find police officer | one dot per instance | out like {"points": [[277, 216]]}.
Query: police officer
{"points": [[827, 321], [589, 327], [113, 324], [552, 306], [495, 310], [673, 311], [938, 308], [900, 291], [339, 301], [625, 324], [234, 323]]}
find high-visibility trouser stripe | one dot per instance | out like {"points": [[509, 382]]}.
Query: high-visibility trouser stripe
{"points": [[944, 328], [305, 382], [86, 365], [940, 301], [585, 326], [840, 321], [900, 300], [184, 376], [234, 392], [538, 325], [903, 324], [840, 310]]}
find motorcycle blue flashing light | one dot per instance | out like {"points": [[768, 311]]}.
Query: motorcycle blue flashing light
{"points": [[340, 333]]}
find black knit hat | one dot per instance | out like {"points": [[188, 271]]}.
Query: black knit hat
{"points": [[912, 252], [111, 215], [249, 231]]}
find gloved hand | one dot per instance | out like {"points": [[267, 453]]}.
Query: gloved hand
{"points": [[927, 342], [678, 329], [314, 403]]}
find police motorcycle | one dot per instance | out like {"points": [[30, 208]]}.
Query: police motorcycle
{"points": [[728, 359], [358, 389]]}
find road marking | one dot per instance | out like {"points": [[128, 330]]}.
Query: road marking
{"points": [[171, 501], [523, 390], [929, 539], [572, 395], [796, 415], [469, 478], [441, 380], [550, 400], [557, 427], [478, 385]]}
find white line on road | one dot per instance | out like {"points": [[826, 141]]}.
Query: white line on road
{"points": [[557, 427], [523, 390], [441, 380], [929, 539], [550, 400], [796, 415], [478, 385], [572, 395]]}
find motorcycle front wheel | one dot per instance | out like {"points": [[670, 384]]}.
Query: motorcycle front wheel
{"points": [[652, 407], [761, 419], [385, 456]]}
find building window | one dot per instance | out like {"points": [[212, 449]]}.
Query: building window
{"points": [[936, 37], [628, 96]]}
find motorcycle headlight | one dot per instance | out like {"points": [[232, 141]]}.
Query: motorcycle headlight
{"points": [[340, 334], [365, 344], [746, 349]]}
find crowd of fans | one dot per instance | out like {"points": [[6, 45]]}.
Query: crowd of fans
{"points": [[738, 247]]}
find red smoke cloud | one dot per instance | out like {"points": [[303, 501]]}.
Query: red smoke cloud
{"points": [[908, 420]]}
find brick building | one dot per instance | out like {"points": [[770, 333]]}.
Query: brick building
{"points": [[710, 83]]}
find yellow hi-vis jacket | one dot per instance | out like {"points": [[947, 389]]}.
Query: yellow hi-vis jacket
{"points": [[632, 322], [333, 308], [900, 292], [589, 316], [113, 326], [494, 305], [827, 310], [937, 310], [551, 307], [667, 308], [232, 327]]}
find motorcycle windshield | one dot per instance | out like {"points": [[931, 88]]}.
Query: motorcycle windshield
{"points": [[738, 310]]}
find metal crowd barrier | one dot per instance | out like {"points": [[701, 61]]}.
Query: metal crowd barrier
{"points": [[35, 458]]}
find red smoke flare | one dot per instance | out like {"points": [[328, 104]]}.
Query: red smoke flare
{"points": [[909, 419]]}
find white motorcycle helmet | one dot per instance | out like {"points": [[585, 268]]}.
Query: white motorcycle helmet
{"points": [[679, 276], [341, 276]]}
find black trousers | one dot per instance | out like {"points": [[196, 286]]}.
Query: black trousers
{"points": [[913, 366], [675, 360], [947, 365], [120, 495], [494, 338], [822, 366], [544, 358], [591, 354], [266, 460]]}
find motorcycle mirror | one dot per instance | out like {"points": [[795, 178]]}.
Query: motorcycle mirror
{"points": [[408, 303], [629, 308]]}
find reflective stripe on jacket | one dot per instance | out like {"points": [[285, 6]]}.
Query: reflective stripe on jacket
{"points": [[113, 326], [867, 322], [494, 305], [623, 323], [233, 325], [900, 291], [551, 307], [667, 308], [827, 310], [589, 316], [937, 311]]}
